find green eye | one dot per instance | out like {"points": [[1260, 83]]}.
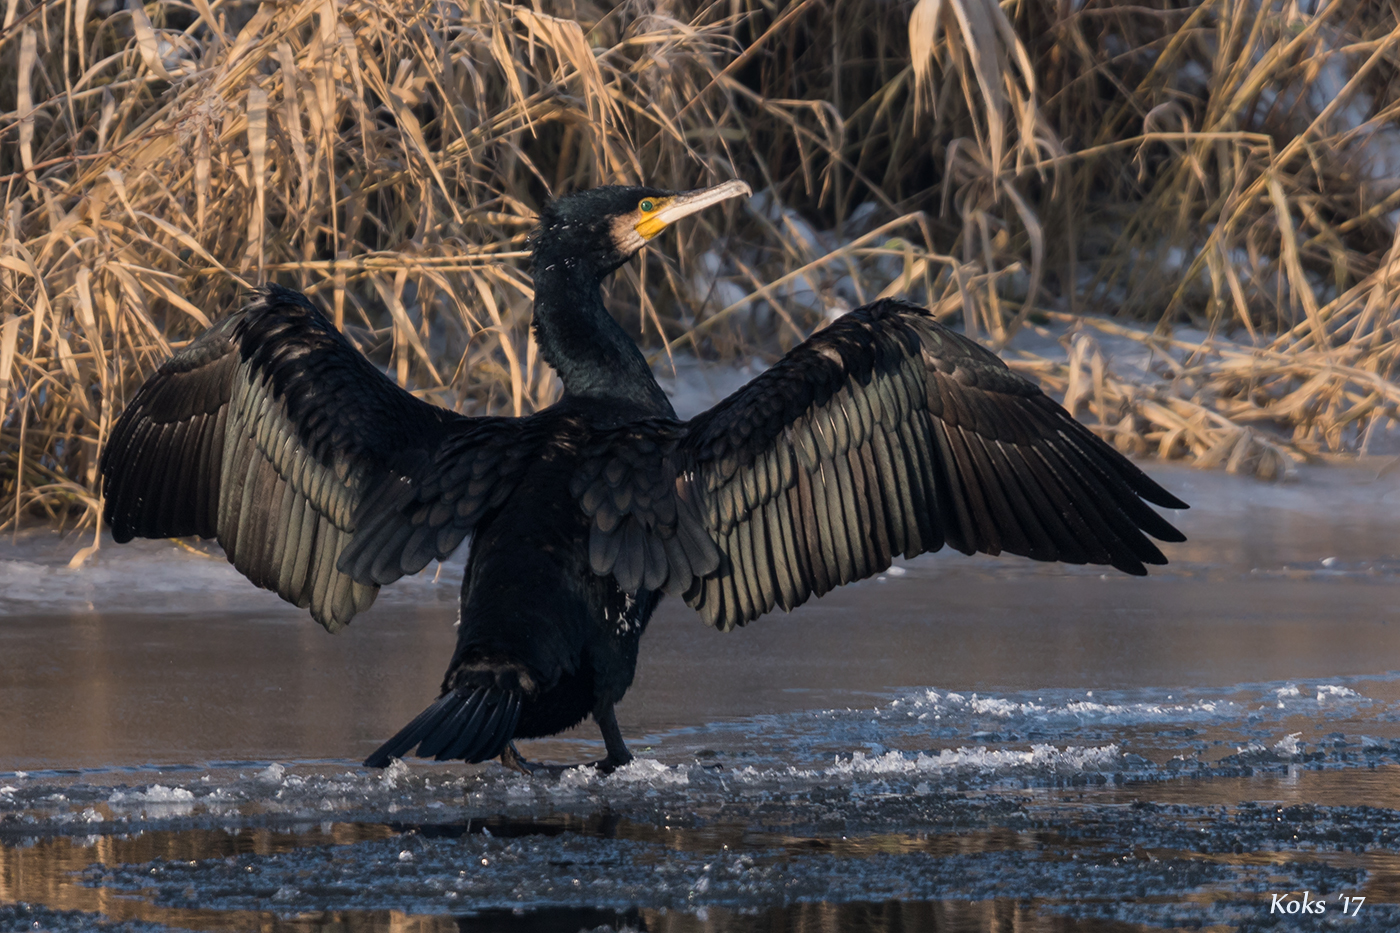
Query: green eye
{"points": [[647, 205]]}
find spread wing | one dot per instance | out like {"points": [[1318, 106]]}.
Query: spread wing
{"points": [[276, 436], [884, 434]]}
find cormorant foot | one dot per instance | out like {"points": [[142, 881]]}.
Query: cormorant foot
{"points": [[515, 761], [610, 764]]}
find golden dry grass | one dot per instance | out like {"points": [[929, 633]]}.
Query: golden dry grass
{"points": [[1163, 162]]}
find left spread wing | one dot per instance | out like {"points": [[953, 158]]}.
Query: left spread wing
{"points": [[275, 435], [884, 434]]}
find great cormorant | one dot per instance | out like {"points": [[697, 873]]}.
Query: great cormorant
{"points": [[885, 433]]}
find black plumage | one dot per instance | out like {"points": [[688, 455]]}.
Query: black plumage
{"points": [[884, 434]]}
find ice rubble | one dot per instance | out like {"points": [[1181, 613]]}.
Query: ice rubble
{"points": [[917, 743]]}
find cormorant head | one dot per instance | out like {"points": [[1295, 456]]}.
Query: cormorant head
{"points": [[604, 227]]}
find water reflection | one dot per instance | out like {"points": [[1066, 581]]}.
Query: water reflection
{"points": [[51, 873]]}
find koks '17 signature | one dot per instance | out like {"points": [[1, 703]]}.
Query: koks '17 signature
{"points": [[1304, 903]]}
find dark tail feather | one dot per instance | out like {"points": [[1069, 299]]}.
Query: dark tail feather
{"points": [[473, 724]]}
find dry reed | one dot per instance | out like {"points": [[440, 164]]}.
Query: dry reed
{"points": [[1222, 163]]}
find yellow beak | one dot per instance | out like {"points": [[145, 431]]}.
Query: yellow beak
{"points": [[683, 205]]}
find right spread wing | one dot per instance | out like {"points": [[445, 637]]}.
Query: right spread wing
{"points": [[888, 433], [884, 434], [275, 435]]}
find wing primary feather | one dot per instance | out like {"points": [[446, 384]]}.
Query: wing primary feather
{"points": [[363, 595], [1010, 467], [1109, 466], [1040, 487], [1064, 491], [1011, 535], [954, 497], [802, 573], [984, 534], [1028, 474], [748, 482], [121, 507], [929, 482], [1106, 545], [1138, 545], [773, 473], [1110, 495], [159, 453], [144, 443], [181, 515], [175, 514], [1128, 472], [268, 495], [116, 460]]}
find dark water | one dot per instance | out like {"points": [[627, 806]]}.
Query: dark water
{"points": [[971, 744]]}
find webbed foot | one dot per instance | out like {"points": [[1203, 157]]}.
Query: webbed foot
{"points": [[515, 761]]}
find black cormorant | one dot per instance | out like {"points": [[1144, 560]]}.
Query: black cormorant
{"points": [[883, 434]]}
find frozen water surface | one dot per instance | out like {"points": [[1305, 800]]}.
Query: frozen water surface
{"points": [[961, 744]]}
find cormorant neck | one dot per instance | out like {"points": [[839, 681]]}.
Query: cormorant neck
{"points": [[593, 355]]}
